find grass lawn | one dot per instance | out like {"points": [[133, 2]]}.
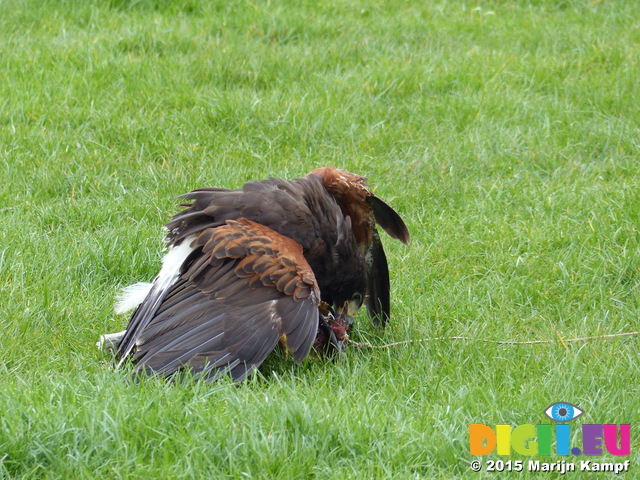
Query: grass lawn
{"points": [[506, 133]]}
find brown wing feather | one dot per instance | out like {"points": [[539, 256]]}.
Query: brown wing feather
{"points": [[243, 289]]}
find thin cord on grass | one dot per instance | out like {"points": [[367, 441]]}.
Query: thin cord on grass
{"points": [[498, 342]]}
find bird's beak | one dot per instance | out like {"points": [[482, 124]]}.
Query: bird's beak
{"points": [[346, 314]]}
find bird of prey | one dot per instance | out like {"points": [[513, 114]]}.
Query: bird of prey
{"points": [[274, 261]]}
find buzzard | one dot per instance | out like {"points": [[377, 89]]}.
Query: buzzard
{"points": [[274, 261]]}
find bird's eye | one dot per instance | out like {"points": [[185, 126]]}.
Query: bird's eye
{"points": [[562, 412]]}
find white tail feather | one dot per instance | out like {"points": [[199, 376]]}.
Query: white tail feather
{"points": [[132, 296]]}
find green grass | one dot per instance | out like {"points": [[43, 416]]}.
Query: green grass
{"points": [[506, 134]]}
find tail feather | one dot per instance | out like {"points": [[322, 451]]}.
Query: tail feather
{"points": [[132, 296]]}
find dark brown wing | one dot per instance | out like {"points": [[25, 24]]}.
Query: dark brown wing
{"points": [[242, 289], [278, 204], [389, 220], [378, 298]]}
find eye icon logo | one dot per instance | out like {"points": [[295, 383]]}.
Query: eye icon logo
{"points": [[562, 412]]}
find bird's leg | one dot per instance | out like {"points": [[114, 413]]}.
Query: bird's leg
{"points": [[109, 341]]}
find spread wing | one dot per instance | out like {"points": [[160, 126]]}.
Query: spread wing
{"points": [[242, 288]]}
